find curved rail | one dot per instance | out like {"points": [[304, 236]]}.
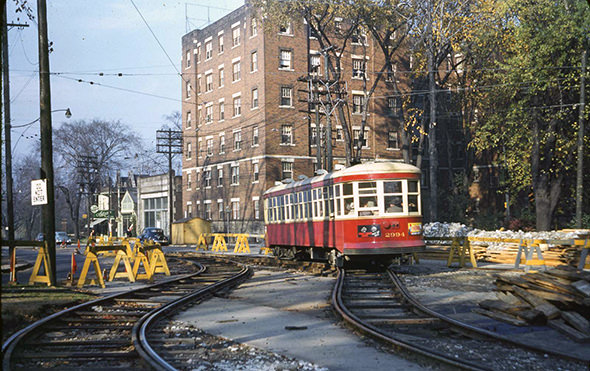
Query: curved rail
{"points": [[349, 317], [140, 329]]}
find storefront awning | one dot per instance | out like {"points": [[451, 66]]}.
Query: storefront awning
{"points": [[97, 221]]}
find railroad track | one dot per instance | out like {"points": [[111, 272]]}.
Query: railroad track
{"points": [[378, 304], [112, 332]]}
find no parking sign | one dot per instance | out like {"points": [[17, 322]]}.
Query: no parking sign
{"points": [[39, 192]]}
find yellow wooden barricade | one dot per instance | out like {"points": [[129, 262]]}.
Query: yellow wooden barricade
{"points": [[141, 257], [218, 242], [124, 254], [266, 250], [202, 243], [91, 260], [584, 254], [42, 259], [242, 245], [157, 259], [528, 247], [462, 248]]}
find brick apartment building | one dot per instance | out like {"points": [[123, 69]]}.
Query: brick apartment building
{"points": [[244, 124]]}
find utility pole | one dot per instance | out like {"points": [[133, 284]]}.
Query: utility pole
{"points": [[432, 149], [580, 169], [48, 210], [8, 143], [169, 142], [329, 162]]}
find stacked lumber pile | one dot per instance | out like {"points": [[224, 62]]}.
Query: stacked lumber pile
{"points": [[441, 252], [554, 255], [559, 298]]}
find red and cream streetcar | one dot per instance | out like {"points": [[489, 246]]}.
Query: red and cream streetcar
{"points": [[371, 210]]}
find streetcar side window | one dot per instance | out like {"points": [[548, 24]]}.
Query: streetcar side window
{"points": [[331, 200], [413, 196], [293, 206], [314, 199], [338, 199], [326, 201], [393, 197], [368, 199], [348, 199]]}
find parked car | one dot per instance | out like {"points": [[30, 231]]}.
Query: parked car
{"points": [[61, 237], [154, 234]]}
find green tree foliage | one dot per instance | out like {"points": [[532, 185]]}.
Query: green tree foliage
{"points": [[529, 93]]}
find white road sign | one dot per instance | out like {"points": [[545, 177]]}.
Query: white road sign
{"points": [[39, 192]]}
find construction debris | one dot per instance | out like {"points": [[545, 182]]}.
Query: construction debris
{"points": [[558, 297]]}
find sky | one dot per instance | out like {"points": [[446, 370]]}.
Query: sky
{"points": [[107, 37]]}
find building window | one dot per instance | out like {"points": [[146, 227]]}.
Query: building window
{"points": [[235, 210], [255, 171], [359, 37], [256, 209], [198, 53], [254, 98], [339, 134], [253, 27], [155, 211], [237, 140], [189, 210], [357, 103], [208, 210], [254, 62], [221, 111], [315, 61], [255, 136], [358, 68], [189, 150], [220, 44], [237, 106], [221, 144], [221, 77], [356, 137], [394, 106], [188, 89], [236, 72], [209, 82], [287, 134], [235, 174], [235, 36], [286, 96], [287, 170], [285, 29], [393, 140], [210, 147], [220, 177], [207, 178], [199, 85], [188, 59], [220, 209], [314, 136], [208, 50], [285, 59], [189, 181], [209, 114], [189, 119]]}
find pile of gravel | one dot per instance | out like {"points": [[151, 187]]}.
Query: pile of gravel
{"points": [[438, 229]]}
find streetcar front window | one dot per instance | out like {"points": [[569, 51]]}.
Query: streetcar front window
{"points": [[393, 196], [368, 204]]}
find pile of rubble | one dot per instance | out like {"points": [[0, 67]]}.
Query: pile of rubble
{"points": [[558, 297]]}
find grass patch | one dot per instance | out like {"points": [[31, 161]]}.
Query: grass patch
{"points": [[23, 305]]}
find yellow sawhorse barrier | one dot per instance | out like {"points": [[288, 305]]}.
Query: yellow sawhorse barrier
{"points": [[528, 247], [125, 253], [242, 244], [157, 259], [462, 248], [42, 259], [202, 243], [584, 254], [266, 250], [91, 260], [141, 257], [218, 242]]}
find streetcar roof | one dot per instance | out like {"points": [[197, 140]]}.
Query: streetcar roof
{"points": [[377, 167]]}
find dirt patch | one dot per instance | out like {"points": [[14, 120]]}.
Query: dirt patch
{"points": [[22, 306]]}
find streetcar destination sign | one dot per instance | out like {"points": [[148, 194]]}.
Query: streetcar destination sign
{"points": [[39, 192]]}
